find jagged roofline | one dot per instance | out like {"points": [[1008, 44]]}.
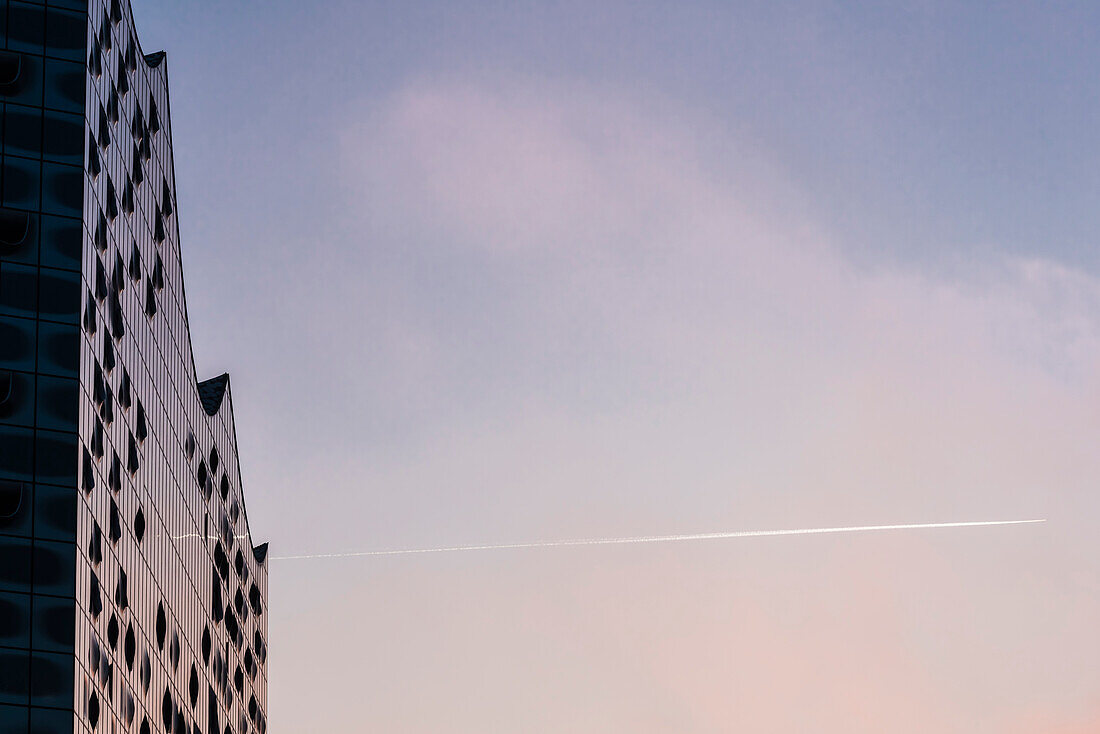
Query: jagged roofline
{"points": [[213, 393]]}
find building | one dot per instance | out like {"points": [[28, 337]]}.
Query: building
{"points": [[131, 595]]}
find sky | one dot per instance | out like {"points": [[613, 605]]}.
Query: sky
{"points": [[511, 272]]}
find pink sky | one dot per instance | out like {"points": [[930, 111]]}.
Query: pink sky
{"points": [[655, 339]]}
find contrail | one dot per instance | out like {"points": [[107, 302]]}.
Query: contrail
{"points": [[660, 538]]}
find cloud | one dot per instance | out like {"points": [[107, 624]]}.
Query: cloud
{"points": [[574, 312]]}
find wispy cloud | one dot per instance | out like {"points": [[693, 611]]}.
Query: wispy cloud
{"points": [[574, 312]]}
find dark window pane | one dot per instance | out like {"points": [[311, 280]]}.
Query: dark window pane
{"points": [[17, 511], [26, 28], [15, 565], [55, 513], [65, 32], [15, 620], [17, 407], [54, 624], [62, 240], [23, 131], [20, 182], [59, 295], [51, 679], [14, 676], [18, 290], [58, 352], [62, 189], [27, 89], [54, 568], [64, 85], [17, 344], [51, 721], [62, 137], [16, 450], [57, 457]]}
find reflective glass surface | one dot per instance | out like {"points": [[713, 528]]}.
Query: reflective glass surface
{"points": [[131, 595]]}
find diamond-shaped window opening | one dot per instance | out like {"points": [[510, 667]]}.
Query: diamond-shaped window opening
{"points": [[146, 672], [95, 597], [115, 530], [105, 36], [114, 312], [150, 299], [255, 600], [95, 59], [90, 321], [93, 709], [128, 197], [118, 275], [101, 239], [167, 710], [158, 273], [162, 625], [166, 199], [112, 199], [104, 128], [122, 597], [141, 429], [139, 525], [124, 388], [106, 408], [112, 631], [95, 548], [114, 476], [108, 349], [174, 650], [260, 647], [129, 646], [137, 175], [135, 263], [112, 105], [154, 118], [132, 455], [158, 227], [87, 472], [99, 387], [97, 439], [202, 475], [232, 626], [94, 165], [100, 279], [193, 686]]}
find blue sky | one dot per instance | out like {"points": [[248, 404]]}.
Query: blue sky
{"points": [[502, 272]]}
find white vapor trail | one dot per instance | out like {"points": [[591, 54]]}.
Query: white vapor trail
{"points": [[661, 538]]}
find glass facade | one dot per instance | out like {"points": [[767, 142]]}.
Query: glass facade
{"points": [[131, 595]]}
